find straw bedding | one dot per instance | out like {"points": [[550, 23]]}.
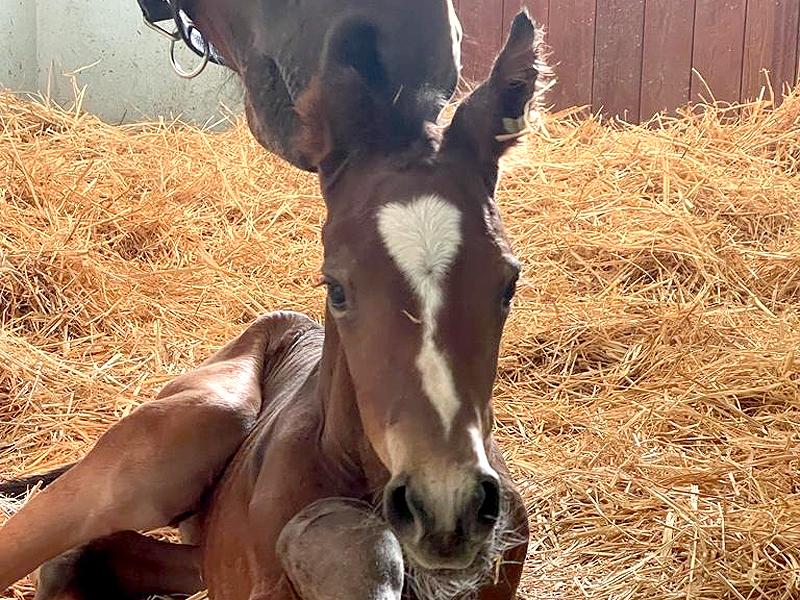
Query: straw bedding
{"points": [[648, 394]]}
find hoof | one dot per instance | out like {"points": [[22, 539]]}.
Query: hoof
{"points": [[338, 549]]}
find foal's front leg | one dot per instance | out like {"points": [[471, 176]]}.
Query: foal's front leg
{"points": [[156, 464], [338, 549], [151, 467]]}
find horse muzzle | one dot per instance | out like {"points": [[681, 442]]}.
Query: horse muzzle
{"points": [[443, 522]]}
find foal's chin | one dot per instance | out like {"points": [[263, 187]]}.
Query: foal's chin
{"points": [[445, 577], [448, 560], [422, 558]]}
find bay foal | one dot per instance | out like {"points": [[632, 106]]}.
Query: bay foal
{"points": [[389, 404]]}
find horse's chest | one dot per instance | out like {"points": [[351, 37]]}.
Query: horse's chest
{"points": [[275, 474]]}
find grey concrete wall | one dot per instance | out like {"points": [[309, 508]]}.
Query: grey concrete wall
{"points": [[18, 43], [104, 44]]}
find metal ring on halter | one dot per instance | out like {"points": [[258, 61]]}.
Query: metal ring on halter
{"points": [[198, 69]]}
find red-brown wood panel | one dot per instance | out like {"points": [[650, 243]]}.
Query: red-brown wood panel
{"points": [[797, 58], [770, 42], [718, 48], [538, 9], [635, 57], [797, 64], [570, 37], [617, 76], [482, 21], [666, 55]]}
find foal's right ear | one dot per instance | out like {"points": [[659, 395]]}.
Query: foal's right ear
{"points": [[343, 108], [494, 116]]}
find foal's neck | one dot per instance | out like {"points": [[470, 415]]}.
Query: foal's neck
{"points": [[343, 441]]}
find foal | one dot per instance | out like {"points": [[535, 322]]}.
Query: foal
{"points": [[388, 405]]}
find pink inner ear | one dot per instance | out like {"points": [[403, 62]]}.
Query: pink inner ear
{"points": [[496, 114]]}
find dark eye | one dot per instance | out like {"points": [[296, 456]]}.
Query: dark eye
{"points": [[508, 293], [336, 296]]}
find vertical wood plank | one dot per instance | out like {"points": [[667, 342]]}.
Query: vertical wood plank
{"points": [[718, 48], [602, 48], [538, 9], [571, 41], [617, 76], [666, 55], [482, 21], [797, 58], [770, 42]]}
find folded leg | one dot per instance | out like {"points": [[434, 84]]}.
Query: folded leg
{"points": [[147, 470], [156, 464], [123, 566]]}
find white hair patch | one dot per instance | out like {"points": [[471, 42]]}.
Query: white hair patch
{"points": [[423, 237]]}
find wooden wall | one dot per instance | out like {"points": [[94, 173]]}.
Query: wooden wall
{"points": [[636, 57]]}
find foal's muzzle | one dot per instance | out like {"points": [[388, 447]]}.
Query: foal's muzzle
{"points": [[443, 528]]}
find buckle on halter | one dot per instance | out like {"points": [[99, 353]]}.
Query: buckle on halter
{"points": [[172, 36]]}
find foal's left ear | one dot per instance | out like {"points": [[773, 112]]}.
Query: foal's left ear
{"points": [[494, 116], [348, 107]]}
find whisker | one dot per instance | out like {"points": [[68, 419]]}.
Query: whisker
{"points": [[465, 584]]}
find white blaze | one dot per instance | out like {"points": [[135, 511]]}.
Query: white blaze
{"points": [[423, 237]]}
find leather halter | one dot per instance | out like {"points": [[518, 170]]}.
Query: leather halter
{"points": [[158, 11]]}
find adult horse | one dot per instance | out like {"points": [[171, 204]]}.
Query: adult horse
{"points": [[387, 409], [412, 48]]}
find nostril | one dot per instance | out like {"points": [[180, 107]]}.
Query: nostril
{"points": [[489, 509], [402, 509], [398, 506]]}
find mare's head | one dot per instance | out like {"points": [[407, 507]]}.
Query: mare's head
{"points": [[420, 280], [275, 48]]}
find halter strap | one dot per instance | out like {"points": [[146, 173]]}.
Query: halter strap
{"points": [[158, 11]]}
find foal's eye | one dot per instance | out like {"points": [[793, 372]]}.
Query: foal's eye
{"points": [[508, 293], [336, 295]]}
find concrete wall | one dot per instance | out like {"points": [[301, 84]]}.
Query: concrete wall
{"points": [[123, 64], [18, 43]]}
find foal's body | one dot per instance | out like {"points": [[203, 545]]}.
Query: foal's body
{"points": [[259, 400], [392, 404]]}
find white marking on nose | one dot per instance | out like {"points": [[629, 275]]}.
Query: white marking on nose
{"points": [[481, 459], [457, 481], [423, 237]]}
